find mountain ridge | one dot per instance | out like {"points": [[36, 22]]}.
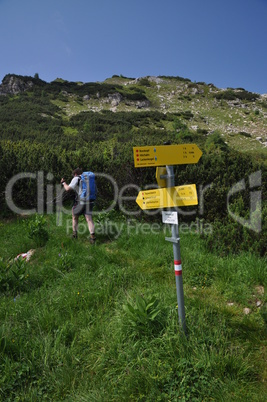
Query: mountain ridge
{"points": [[239, 115]]}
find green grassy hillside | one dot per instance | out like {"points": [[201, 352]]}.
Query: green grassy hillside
{"points": [[99, 323]]}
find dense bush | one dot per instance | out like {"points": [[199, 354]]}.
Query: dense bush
{"points": [[170, 77], [144, 82], [244, 230], [231, 94], [217, 172]]}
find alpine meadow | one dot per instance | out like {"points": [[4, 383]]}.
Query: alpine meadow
{"points": [[82, 322]]}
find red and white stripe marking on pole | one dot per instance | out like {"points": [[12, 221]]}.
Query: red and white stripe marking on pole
{"points": [[178, 267]]}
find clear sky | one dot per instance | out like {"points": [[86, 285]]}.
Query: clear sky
{"points": [[223, 42]]}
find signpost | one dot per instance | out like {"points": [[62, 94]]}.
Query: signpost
{"points": [[166, 155], [170, 217], [161, 175], [169, 197]]}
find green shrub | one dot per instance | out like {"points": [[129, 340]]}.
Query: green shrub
{"points": [[144, 316], [214, 141], [37, 230], [144, 82], [13, 276], [231, 94], [245, 134], [230, 237]]}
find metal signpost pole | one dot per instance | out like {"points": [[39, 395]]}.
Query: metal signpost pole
{"points": [[177, 258], [169, 196]]}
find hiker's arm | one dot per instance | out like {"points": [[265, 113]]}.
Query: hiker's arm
{"points": [[65, 185]]}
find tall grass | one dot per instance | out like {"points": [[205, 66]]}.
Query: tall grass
{"points": [[100, 323]]}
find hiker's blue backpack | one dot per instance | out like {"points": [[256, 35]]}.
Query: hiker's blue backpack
{"points": [[88, 187]]}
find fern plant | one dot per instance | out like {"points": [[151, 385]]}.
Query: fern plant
{"points": [[144, 317]]}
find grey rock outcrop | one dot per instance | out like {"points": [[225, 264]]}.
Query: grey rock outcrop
{"points": [[13, 85], [115, 98], [143, 104]]}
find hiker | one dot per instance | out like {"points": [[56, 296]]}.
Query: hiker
{"points": [[80, 207]]}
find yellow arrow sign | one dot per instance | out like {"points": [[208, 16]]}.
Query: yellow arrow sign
{"points": [[159, 155], [169, 197]]}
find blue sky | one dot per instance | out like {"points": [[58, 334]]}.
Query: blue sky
{"points": [[214, 41]]}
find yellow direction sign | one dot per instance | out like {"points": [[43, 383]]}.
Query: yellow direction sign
{"points": [[169, 197], [160, 155], [161, 171]]}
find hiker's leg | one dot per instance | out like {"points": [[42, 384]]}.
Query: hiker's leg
{"points": [[90, 222], [75, 220], [89, 216], [91, 227], [77, 210]]}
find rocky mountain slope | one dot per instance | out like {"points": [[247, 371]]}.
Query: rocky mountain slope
{"points": [[238, 115]]}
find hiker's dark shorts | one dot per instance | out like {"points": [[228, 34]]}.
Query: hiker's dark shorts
{"points": [[83, 209]]}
